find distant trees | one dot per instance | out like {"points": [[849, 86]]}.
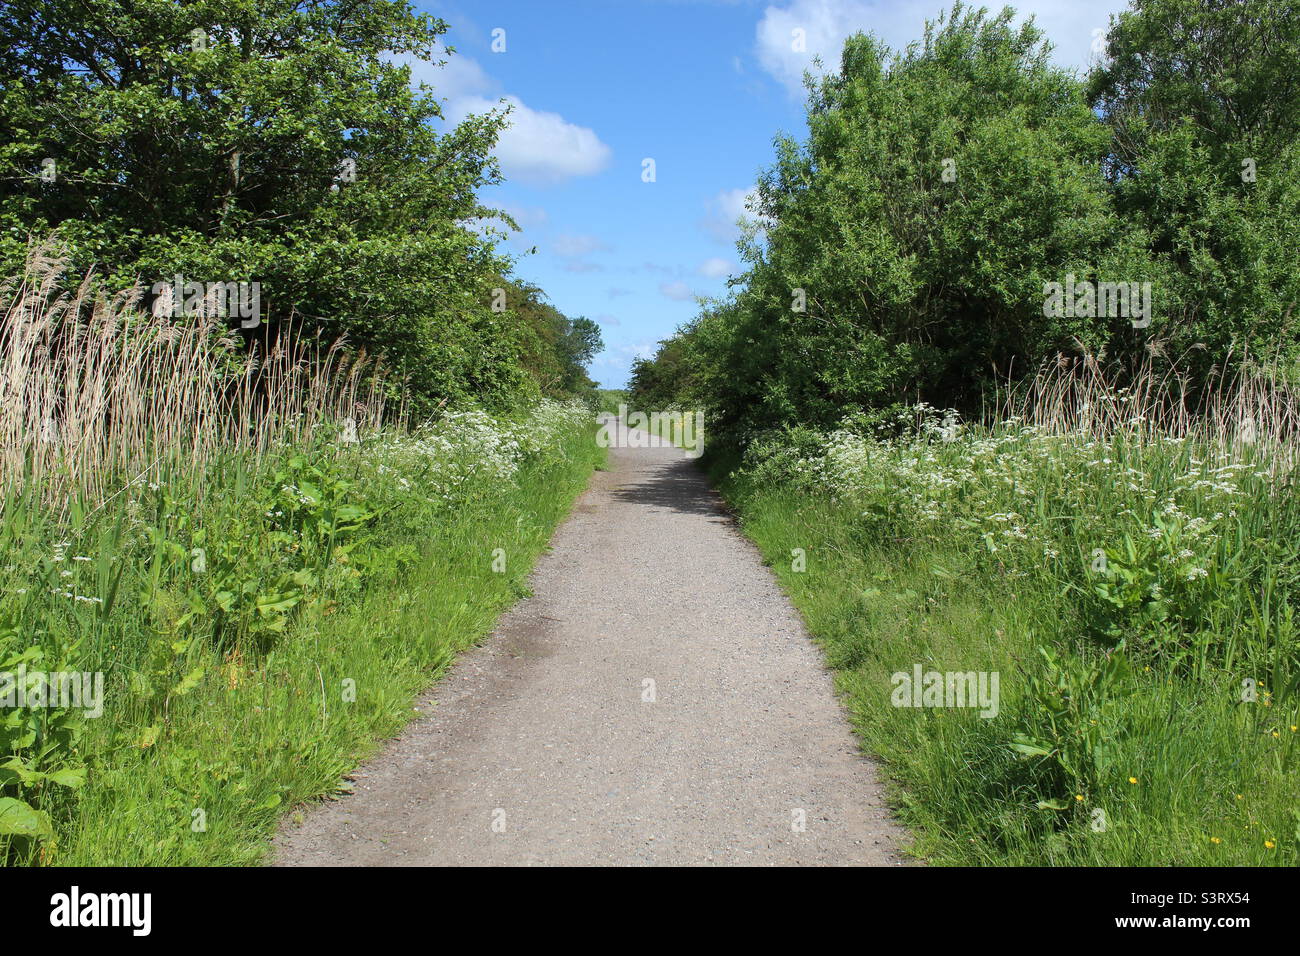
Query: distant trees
{"points": [[560, 348], [908, 244], [276, 141]]}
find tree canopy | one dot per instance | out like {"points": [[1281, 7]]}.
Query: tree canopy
{"points": [[270, 141], [905, 249]]}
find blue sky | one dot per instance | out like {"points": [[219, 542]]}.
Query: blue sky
{"points": [[699, 86]]}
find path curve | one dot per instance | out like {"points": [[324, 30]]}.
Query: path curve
{"points": [[538, 748]]}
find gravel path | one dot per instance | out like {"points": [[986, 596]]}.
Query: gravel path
{"points": [[539, 746]]}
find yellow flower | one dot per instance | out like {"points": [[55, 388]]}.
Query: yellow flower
{"points": [[1293, 728], [1276, 734], [1132, 779], [1079, 797], [1239, 796], [1215, 840], [1270, 844]]}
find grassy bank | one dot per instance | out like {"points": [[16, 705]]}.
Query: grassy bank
{"points": [[1133, 589], [260, 734], [385, 568], [228, 575]]}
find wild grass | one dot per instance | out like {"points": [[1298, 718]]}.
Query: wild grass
{"points": [[208, 781], [94, 391], [262, 570], [1130, 570]]}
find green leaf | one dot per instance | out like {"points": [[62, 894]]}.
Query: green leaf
{"points": [[71, 777], [1029, 747], [189, 682], [268, 604], [20, 819]]}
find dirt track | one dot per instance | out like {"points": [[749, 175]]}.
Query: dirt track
{"points": [[538, 747]]}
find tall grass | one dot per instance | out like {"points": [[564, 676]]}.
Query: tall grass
{"points": [[95, 391], [230, 537], [1244, 404]]}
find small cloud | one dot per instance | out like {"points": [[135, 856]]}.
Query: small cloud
{"points": [[458, 76], [724, 211], [788, 38], [539, 147], [793, 33], [574, 245], [621, 356], [615, 293], [578, 265], [677, 291], [608, 320], [536, 147], [715, 268]]}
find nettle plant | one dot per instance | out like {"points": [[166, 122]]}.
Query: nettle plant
{"points": [[39, 765], [290, 544]]}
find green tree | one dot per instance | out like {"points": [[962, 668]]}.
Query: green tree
{"points": [[1203, 101], [276, 141], [907, 242]]}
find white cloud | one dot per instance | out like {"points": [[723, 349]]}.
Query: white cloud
{"points": [[538, 147], [789, 38], [826, 23], [573, 245], [724, 210], [716, 268], [458, 77], [678, 291], [621, 356]]}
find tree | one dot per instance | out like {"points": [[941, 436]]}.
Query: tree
{"points": [[909, 239], [1203, 101], [276, 141]]}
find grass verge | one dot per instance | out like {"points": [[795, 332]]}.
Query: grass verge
{"points": [[210, 735], [1134, 599]]}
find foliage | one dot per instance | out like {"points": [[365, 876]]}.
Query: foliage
{"points": [[266, 141], [903, 252], [1134, 588], [1203, 104], [193, 591]]}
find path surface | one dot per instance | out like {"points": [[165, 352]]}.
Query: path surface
{"points": [[544, 728]]}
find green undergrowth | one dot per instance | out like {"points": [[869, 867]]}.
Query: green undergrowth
{"points": [[1134, 598], [260, 637]]}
